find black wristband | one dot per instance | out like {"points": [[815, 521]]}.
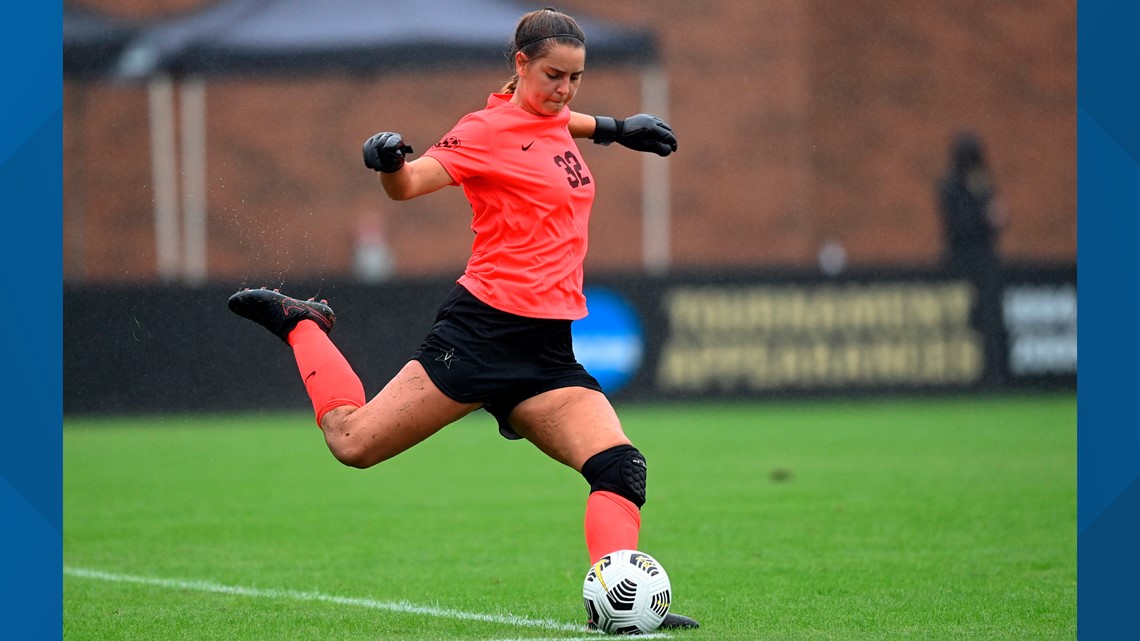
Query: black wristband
{"points": [[606, 130]]}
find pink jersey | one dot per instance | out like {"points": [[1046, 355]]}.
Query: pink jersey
{"points": [[530, 194]]}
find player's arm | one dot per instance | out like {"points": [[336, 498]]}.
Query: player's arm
{"points": [[416, 178], [581, 125], [385, 152], [643, 132]]}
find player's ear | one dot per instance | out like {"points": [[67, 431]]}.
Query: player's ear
{"points": [[520, 63]]}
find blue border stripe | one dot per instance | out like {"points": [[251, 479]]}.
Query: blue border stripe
{"points": [[31, 266], [1108, 201]]}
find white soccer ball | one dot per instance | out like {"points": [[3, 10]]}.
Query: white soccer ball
{"points": [[627, 592]]}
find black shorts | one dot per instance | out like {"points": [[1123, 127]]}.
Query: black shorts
{"points": [[478, 354]]}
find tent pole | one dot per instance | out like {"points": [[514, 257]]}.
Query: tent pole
{"points": [[655, 216], [193, 111], [160, 90]]}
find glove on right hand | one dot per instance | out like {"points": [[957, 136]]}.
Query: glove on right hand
{"points": [[385, 152]]}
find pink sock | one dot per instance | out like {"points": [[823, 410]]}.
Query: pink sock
{"points": [[612, 523], [328, 377]]}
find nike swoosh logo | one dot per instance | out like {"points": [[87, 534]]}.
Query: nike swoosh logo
{"points": [[525, 147], [288, 307]]}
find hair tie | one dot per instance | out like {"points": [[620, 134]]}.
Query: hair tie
{"points": [[556, 35]]}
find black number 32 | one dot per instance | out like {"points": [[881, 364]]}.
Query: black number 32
{"points": [[573, 167]]}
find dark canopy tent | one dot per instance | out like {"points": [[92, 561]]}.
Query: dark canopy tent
{"points": [[301, 37], [292, 37], [93, 41]]}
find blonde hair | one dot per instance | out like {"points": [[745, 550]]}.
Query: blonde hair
{"points": [[536, 33]]}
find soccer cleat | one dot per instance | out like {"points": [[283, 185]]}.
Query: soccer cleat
{"points": [[280, 313], [677, 621]]}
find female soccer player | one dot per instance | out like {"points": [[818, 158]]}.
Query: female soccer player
{"points": [[501, 339]]}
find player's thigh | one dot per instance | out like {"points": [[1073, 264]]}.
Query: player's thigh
{"points": [[409, 409], [569, 424]]}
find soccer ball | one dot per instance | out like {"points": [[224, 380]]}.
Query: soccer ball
{"points": [[627, 592]]}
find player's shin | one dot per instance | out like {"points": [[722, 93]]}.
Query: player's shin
{"points": [[617, 491], [612, 523], [328, 378]]}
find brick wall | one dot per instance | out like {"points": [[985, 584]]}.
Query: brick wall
{"points": [[799, 123]]}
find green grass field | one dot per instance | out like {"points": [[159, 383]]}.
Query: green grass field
{"points": [[948, 518]]}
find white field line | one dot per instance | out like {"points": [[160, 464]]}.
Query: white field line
{"points": [[402, 607]]}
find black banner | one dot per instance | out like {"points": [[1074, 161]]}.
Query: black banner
{"points": [[725, 335]]}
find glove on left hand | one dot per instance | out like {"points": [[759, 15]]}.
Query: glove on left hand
{"points": [[643, 132]]}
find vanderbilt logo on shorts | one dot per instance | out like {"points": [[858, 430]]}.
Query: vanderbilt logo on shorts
{"points": [[447, 357]]}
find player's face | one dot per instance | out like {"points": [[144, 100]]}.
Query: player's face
{"points": [[549, 83]]}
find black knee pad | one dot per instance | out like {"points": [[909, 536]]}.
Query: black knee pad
{"points": [[621, 470]]}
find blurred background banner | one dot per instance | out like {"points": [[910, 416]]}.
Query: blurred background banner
{"points": [[822, 169], [732, 335]]}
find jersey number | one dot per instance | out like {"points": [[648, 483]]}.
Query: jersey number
{"points": [[573, 167]]}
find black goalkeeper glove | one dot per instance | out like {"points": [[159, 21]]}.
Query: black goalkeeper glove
{"points": [[643, 132], [385, 152]]}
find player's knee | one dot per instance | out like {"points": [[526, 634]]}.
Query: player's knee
{"points": [[347, 447], [350, 453], [621, 470]]}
